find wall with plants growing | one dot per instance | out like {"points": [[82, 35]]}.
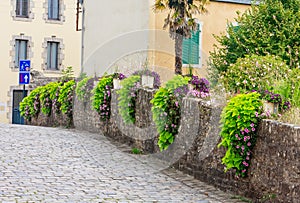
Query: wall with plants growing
{"points": [[180, 124]]}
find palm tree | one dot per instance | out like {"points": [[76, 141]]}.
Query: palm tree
{"points": [[180, 22]]}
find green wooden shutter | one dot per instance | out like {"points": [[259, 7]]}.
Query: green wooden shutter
{"points": [[190, 48]]}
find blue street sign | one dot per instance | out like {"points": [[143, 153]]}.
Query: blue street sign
{"points": [[24, 65], [24, 78]]}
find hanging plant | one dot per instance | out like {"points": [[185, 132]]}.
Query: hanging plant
{"points": [[127, 98], [240, 120], [30, 106], [81, 89], [166, 109], [65, 98], [102, 96]]}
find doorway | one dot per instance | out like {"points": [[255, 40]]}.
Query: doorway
{"points": [[17, 98]]}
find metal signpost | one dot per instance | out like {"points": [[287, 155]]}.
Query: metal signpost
{"points": [[24, 74]]}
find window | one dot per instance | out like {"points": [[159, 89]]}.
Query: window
{"points": [[52, 55], [53, 9], [191, 49], [22, 8], [20, 51]]}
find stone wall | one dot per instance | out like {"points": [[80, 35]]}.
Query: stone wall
{"points": [[274, 169]]}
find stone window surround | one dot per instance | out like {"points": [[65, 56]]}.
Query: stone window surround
{"points": [[61, 19], [30, 13], [61, 55], [12, 52]]}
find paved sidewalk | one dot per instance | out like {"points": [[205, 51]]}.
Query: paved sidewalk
{"points": [[52, 165]]}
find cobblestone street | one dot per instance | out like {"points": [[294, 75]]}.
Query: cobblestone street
{"points": [[40, 164]]}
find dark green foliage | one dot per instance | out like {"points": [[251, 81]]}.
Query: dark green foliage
{"points": [[272, 27]]}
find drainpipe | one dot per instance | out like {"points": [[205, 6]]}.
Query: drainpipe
{"points": [[82, 35]]}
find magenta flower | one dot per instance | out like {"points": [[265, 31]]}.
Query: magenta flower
{"points": [[246, 130]]}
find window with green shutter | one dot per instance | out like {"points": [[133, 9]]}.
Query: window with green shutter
{"points": [[191, 49]]}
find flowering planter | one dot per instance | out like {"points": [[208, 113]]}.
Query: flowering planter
{"points": [[270, 107], [147, 81], [117, 84]]}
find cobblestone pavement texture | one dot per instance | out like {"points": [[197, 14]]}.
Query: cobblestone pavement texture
{"points": [[52, 165]]}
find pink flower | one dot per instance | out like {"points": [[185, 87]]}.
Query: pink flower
{"points": [[245, 163], [176, 103], [256, 114], [244, 170], [249, 144], [247, 158], [237, 146], [253, 129], [243, 148], [252, 125], [246, 130]]}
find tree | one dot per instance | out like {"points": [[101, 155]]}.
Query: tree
{"points": [[180, 22], [270, 28]]}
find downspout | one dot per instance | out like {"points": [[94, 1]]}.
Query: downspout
{"points": [[82, 37], [80, 10]]}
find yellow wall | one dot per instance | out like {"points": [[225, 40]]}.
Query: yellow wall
{"points": [[213, 22], [37, 29]]}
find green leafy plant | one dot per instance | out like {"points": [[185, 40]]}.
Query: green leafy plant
{"points": [[65, 98], [270, 28], [30, 105], [136, 151], [67, 74], [54, 95], [102, 96], [239, 120], [127, 98], [254, 73], [166, 110], [46, 101], [81, 89]]}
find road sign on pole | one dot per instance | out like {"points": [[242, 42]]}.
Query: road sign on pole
{"points": [[24, 73]]}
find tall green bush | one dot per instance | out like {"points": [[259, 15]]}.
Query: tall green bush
{"points": [[270, 28]]}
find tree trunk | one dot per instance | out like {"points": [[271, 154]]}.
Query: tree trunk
{"points": [[178, 51]]}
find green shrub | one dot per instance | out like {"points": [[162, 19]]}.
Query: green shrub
{"points": [[270, 28], [289, 88], [127, 98], [102, 96], [166, 110], [239, 126], [254, 73]]}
